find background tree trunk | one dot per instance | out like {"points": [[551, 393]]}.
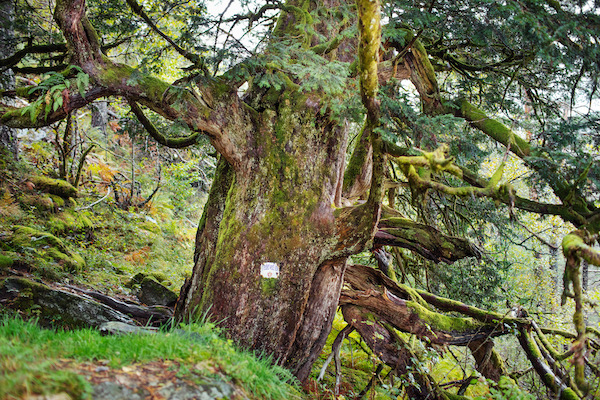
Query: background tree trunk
{"points": [[8, 138]]}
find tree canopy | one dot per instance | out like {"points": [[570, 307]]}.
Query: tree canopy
{"points": [[433, 134]]}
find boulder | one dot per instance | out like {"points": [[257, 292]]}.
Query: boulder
{"points": [[56, 307], [153, 293]]}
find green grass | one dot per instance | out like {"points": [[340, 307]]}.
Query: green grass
{"points": [[29, 353]]}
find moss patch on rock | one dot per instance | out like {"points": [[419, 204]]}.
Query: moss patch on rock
{"points": [[57, 187], [25, 236], [47, 247], [43, 203], [58, 201], [70, 262], [153, 293], [55, 307]]}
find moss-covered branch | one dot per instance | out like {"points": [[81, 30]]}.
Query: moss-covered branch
{"points": [[175, 143], [577, 209], [575, 248], [548, 377], [405, 158], [493, 128], [370, 294], [33, 49], [488, 361], [34, 115], [207, 113], [369, 28], [424, 240], [15, 58], [410, 316], [295, 21], [394, 351]]}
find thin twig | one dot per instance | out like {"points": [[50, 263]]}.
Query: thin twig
{"points": [[96, 202]]}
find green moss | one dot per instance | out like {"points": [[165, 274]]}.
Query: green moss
{"points": [[57, 187], [159, 276], [5, 262], [57, 200], [443, 322], [73, 262], [493, 128], [300, 25], [60, 223], [25, 236], [49, 248], [357, 161], [572, 242], [40, 202]]}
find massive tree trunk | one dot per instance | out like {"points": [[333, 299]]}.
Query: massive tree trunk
{"points": [[278, 208]]}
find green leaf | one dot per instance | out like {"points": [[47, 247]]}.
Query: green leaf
{"points": [[47, 109], [58, 102], [83, 81], [35, 110], [58, 88]]}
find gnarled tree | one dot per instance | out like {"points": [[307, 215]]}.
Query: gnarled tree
{"points": [[283, 117]]}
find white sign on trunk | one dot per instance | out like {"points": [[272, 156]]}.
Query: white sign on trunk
{"points": [[269, 270]]}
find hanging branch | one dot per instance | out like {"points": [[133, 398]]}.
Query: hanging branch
{"points": [[174, 143]]}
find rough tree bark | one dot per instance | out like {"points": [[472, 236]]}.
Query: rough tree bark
{"points": [[280, 208]]}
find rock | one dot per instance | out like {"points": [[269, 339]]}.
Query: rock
{"points": [[179, 390], [120, 328], [56, 307], [47, 247], [207, 391], [43, 203], [114, 391], [153, 293]]}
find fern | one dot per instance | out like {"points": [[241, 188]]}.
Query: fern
{"points": [[52, 88]]}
